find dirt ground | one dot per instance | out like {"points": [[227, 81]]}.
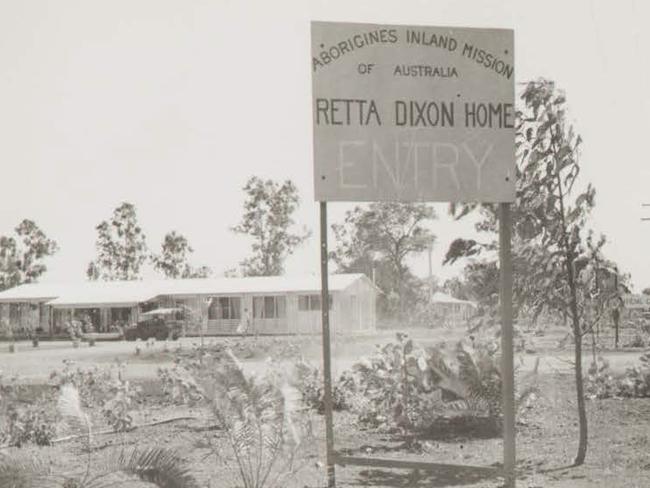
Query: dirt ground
{"points": [[546, 437], [546, 443], [35, 364]]}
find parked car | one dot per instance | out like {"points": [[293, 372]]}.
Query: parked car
{"points": [[157, 328]]}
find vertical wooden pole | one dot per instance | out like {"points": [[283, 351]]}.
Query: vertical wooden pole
{"points": [[616, 317], [327, 360], [507, 360]]}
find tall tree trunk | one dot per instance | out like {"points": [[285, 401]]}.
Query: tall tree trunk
{"points": [[580, 394], [577, 330]]}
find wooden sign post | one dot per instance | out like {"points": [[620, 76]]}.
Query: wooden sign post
{"points": [[415, 114], [327, 355], [507, 350]]}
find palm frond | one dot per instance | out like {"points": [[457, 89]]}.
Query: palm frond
{"points": [[447, 379], [529, 387], [24, 472], [69, 406], [160, 466]]}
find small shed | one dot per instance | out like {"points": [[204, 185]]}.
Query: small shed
{"points": [[452, 311]]}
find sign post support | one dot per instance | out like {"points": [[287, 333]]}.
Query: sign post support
{"points": [[507, 360], [327, 359]]}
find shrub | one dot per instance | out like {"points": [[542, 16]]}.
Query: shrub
{"points": [[158, 466], [20, 423], [28, 424], [601, 383], [637, 340], [263, 425], [247, 348], [393, 386], [104, 388], [264, 428], [178, 385], [74, 330], [308, 380], [410, 388]]}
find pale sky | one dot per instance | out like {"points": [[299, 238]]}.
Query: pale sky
{"points": [[172, 105]]}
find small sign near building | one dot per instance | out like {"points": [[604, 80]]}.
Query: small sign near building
{"points": [[409, 113]]}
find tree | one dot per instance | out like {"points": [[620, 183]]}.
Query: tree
{"points": [[121, 247], [267, 218], [172, 262], [22, 255], [549, 170], [556, 260], [457, 288], [481, 279], [381, 237]]}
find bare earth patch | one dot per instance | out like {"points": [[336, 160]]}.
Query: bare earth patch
{"points": [[546, 444]]}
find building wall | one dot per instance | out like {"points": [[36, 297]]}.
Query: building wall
{"points": [[352, 310], [24, 316], [305, 321], [356, 308], [453, 314]]}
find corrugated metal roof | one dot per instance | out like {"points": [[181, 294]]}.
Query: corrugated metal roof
{"points": [[439, 297], [31, 292], [256, 284], [127, 293], [115, 293]]}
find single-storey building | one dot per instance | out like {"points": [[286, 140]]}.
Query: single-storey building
{"points": [[452, 311], [264, 305]]}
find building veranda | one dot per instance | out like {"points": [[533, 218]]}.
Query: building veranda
{"points": [[251, 305]]}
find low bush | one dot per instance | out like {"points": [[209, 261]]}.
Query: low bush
{"points": [[308, 380], [637, 340], [28, 424], [155, 465], [601, 382], [248, 348], [263, 426], [23, 422], [104, 388], [409, 388], [264, 429], [178, 385]]}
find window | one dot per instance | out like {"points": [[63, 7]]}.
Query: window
{"points": [[224, 308], [15, 313], [310, 302], [270, 307]]}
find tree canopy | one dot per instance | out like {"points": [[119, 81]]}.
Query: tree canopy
{"points": [[121, 247], [268, 220], [378, 239], [22, 254], [558, 262], [173, 260]]}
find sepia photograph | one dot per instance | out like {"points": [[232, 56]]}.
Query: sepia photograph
{"points": [[324, 243]]}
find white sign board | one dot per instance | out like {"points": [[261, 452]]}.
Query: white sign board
{"points": [[405, 113], [636, 301]]}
